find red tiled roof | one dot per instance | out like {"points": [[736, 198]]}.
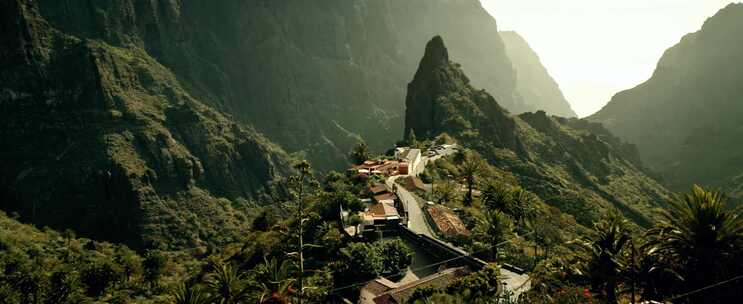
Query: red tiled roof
{"points": [[385, 196], [415, 182], [438, 280], [447, 221], [378, 188], [382, 210]]}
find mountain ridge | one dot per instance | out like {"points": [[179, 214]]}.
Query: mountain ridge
{"points": [[533, 82], [104, 140], [684, 119], [315, 80], [571, 164]]}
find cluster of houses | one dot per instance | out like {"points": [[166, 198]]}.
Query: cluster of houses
{"points": [[383, 209], [407, 161]]}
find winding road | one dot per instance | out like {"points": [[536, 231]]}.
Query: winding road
{"points": [[516, 283]]}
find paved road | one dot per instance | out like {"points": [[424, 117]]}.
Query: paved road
{"points": [[516, 283], [416, 219]]}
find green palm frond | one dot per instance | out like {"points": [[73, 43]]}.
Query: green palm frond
{"points": [[190, 294]]}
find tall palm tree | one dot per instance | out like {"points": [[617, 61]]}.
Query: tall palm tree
{"points": [[190, 294], [497, 226], [602, 252], [360, 152], [497, 196], [700, 239], [227, 284], [471, 168], [523, 204]]}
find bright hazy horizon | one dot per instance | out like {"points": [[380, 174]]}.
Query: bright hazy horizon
{"points": [[594, 49]]}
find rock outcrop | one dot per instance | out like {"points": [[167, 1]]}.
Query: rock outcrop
{"points": [[533, 82], [572, 164], [686, 119], [107, 141]]}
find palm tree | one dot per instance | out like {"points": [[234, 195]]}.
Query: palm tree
{"points": [[190, 294], [700, 238], [471, 168], [497, 196], [227, 284], [445, 192], [496, 228], [602, 253], [523, 204], [360, 152], [276, 281]]}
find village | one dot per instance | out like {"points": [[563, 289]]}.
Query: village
{"points": [[397, 205]]}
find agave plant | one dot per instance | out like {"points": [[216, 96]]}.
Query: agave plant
{"points": [[276, 280]]}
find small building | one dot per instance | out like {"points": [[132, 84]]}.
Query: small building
{"points": [[384, 213], [377, 167], [412, 157], [384, 291], [378, 189], [446, 222], [385, 196]]}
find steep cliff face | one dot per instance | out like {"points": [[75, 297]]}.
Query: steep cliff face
{"points": [[685, 119], [533, 82], [106, 140], [575, 165], [312, 76]]}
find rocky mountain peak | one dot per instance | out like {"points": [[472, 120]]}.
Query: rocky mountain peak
{"points": [[544, 153], [436, 52]]}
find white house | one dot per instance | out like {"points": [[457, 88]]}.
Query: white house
{"points": [[412, 157]]}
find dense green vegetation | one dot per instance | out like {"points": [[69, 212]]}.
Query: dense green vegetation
{"points": [[508, 223], [263, 267], [697, 244], [114, 126], [45, 266], [106, 141]]}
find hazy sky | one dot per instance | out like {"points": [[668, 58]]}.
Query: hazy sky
{"points": [[596, 48]]}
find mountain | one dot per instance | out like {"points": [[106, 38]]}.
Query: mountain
{"points": [[312, 76], [533, 82], [104, 139], [572, 164], [685, 119]]}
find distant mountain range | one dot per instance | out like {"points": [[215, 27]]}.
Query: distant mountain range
{"points": [[686, 119], [571, 164], [533, 82]]}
